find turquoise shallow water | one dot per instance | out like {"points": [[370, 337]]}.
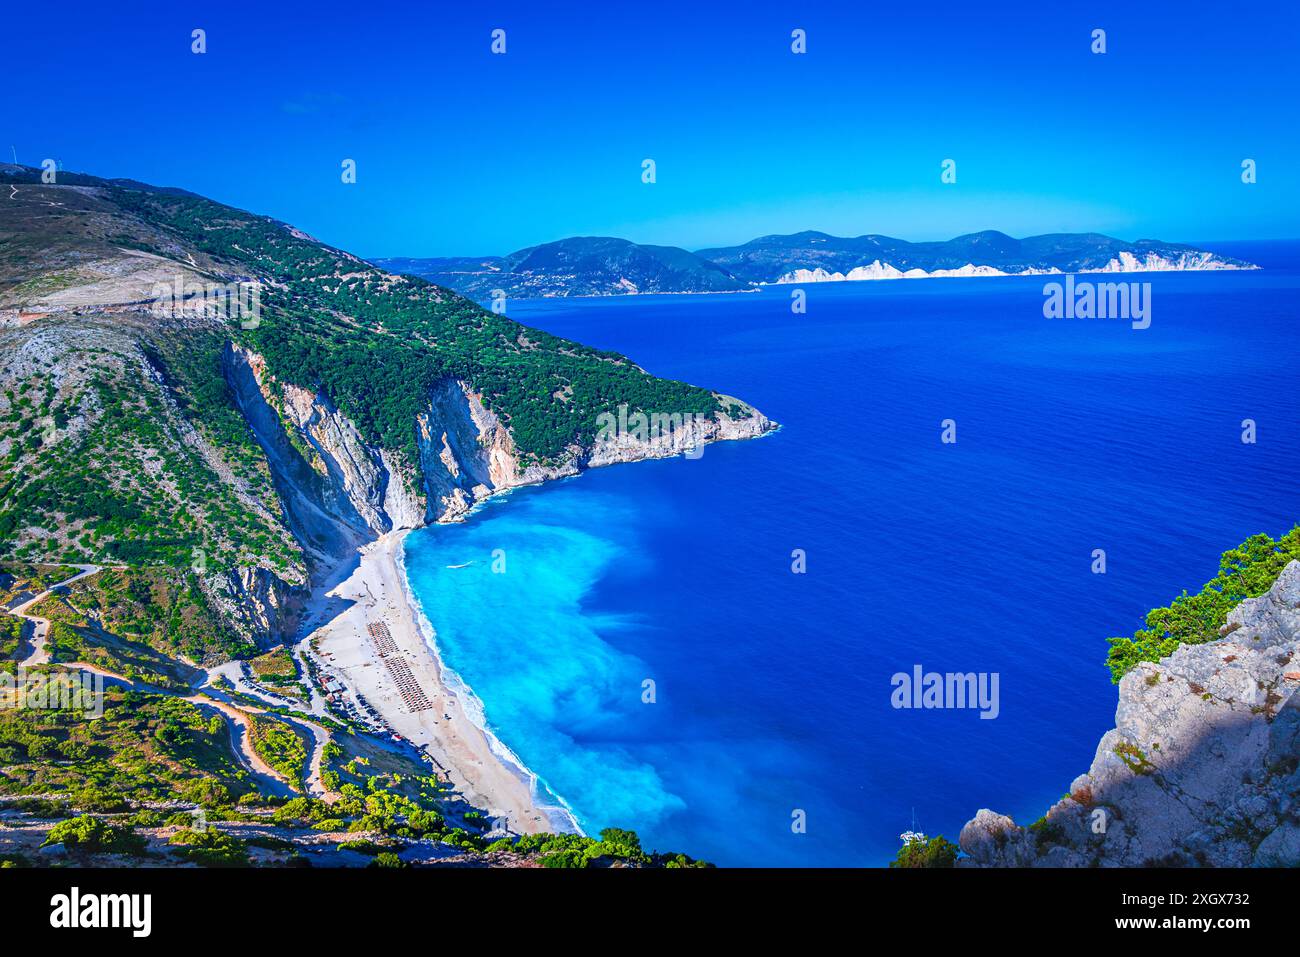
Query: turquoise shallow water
{"points": [[772, 689], [529, 642]]}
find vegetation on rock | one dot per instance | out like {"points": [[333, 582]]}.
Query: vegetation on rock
{"points": [[1247, 571]]}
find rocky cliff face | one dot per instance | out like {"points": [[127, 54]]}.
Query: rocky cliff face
{"points": [[687, 437], [354, 475], [256, 602], [1202, 767], [322, 516], [465, 452], [1181, 262], [339, 492], [468, 454]]}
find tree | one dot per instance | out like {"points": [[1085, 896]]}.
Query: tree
{"points": [[921, 851]]}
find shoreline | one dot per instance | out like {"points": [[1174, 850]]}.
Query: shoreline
{"points": [[764, 284], [449, 725], [559, 813], [450, 730], [995, 273]]}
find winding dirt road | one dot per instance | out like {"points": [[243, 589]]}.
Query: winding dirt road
{"points": [[41, 626], [239, 720]]}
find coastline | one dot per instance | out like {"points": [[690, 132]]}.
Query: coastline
{"points": [[452, 732], [561, 816], [398, 683], [761, 285], [802, 277]]}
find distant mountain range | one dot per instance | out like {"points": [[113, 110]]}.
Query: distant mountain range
{"points": [[813, 256], [602, 266], [580, 266]]}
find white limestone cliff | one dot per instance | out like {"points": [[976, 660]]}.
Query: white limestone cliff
{"points": [[340, 492], [1125, 262]]}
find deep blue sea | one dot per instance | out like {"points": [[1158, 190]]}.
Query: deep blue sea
{"points": [[773, 688]]}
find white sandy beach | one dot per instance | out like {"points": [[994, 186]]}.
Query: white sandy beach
{"points": [[376, 592]]}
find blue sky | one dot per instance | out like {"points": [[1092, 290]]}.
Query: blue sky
{"points": [[460, 151]]}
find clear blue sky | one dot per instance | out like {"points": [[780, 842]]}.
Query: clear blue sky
{"points": [[463, 152]]}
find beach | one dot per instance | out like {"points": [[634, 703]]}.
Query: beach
{"points": [[400, 676]]}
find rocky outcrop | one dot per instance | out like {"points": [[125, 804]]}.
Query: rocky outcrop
{"points": [[337, 491], [1181, 262], [402, 504], [878, 270], [465, 452], [371, 481], [340, 492], [260, 606], [315, 513], [354, 474], [664, 436], [468, 454], [1202, 767]]}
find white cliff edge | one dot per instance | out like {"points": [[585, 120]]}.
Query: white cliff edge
{"points": [[1125, 262], [339, 492]]}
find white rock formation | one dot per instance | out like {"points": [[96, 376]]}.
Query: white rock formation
{"points": [[878, 270], [1126, 262], [468, 454], [343, 492]]}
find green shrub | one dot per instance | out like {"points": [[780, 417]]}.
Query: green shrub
{"points": [[565, 859], [91, 835], [1247, 571], [932, 852], [209, 848]]}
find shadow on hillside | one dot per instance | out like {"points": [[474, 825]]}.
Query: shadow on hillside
{"points": [[1159, 807]]}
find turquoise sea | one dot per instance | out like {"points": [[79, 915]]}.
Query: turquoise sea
{"points": [[772, 689]]}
